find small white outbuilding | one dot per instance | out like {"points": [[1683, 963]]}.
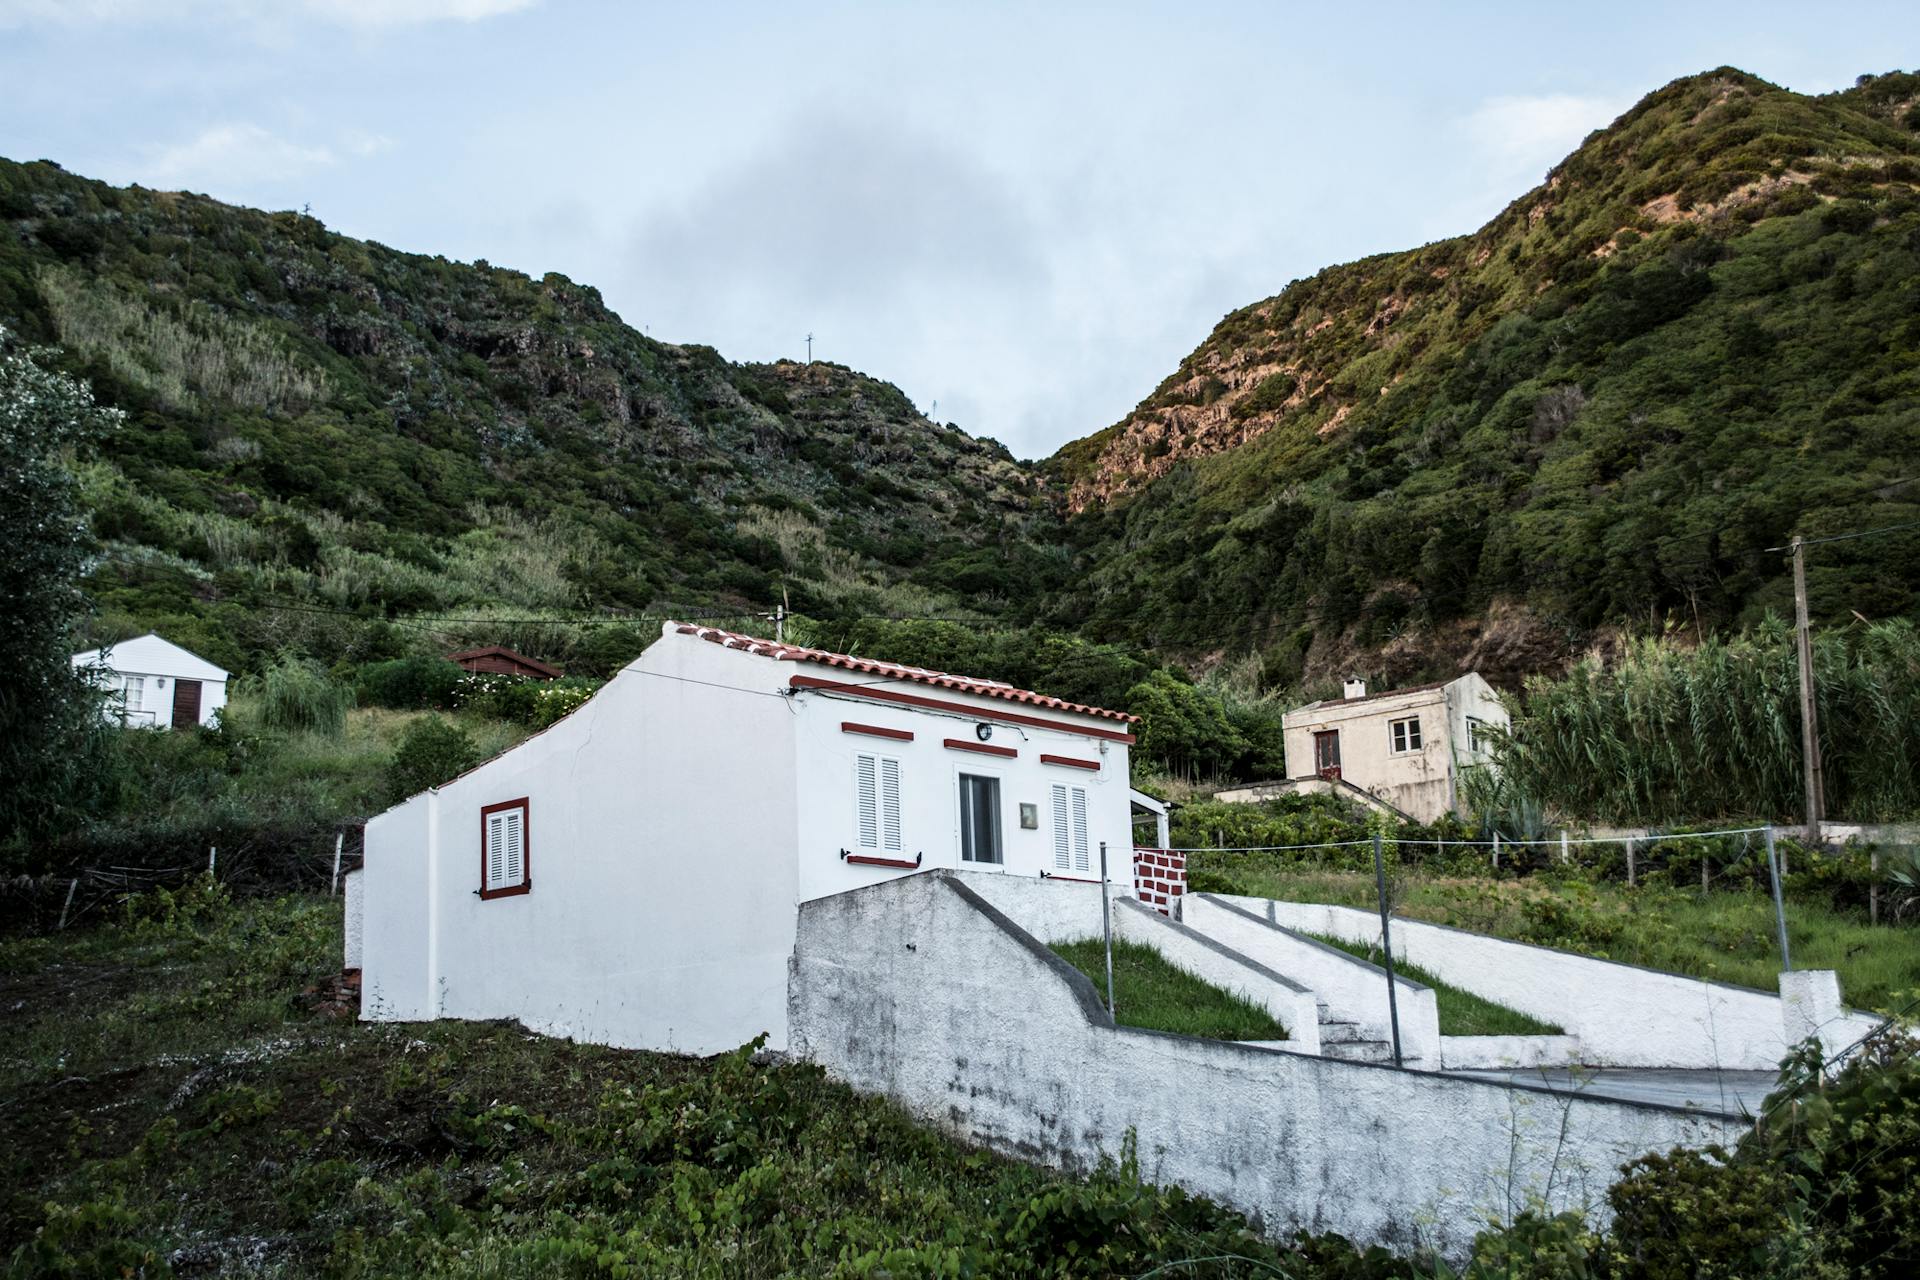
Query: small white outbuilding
{"points": [[633, 874], [156, 684]]}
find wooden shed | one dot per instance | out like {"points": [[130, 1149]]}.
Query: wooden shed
{"points": [[499, 660]]}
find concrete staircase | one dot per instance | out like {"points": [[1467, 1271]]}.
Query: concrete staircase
{"points": [[1346, 1041]]}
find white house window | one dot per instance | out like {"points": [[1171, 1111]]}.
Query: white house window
{"points": [[876, 803], [1070, 852], [504, 849], [134, 698], [1405, 734], [979, 818], [1477, 739]]}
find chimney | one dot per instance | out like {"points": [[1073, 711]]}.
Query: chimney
{"points": [[1354, 688]]}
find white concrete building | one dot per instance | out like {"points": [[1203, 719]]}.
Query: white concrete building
{"points": [[1405, 748], [156, 684], [633, 874]]}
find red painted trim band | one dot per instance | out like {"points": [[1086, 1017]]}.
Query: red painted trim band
{"points": [[526, 849], [857, 690], [875, 731], [1071, 763], [981, 748]]}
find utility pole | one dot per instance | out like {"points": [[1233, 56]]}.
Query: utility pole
{"points": [[809, 348], [1816, 805]]}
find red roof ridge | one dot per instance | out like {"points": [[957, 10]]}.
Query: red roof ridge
{"points": [[782, 652]]}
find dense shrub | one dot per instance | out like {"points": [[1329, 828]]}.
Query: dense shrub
{"points": [[521, 699], [434, 750], [296, 696], [410, 684]]}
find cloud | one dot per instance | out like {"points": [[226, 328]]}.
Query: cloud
{"points": [[354, 13], [234, 156], [1535, 133]]}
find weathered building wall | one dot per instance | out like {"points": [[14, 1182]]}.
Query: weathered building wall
{"points": [[1623, 1015], [921, 990]]}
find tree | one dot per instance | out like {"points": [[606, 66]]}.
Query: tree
{"points": [[51, 733]]}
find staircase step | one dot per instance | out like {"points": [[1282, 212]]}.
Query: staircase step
{"points": [[1357, 1050], [1340, 1032]]}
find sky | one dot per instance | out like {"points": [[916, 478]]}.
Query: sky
{"points": [[1023, 215]]}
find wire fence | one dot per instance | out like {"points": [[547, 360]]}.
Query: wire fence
{"points": [[244, 861]]}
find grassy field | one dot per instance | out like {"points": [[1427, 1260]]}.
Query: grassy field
{"points": [[1462, 1013], [1724, 936], [177, 1099], [1149, 992]]}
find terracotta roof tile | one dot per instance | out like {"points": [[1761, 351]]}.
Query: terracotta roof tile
{"points": [[846, 661]]}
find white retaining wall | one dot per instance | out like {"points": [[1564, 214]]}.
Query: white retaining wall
{"points": [[356, 916], [1293, 1006], [1623, 1015], [921, 990], [1352, 989]]}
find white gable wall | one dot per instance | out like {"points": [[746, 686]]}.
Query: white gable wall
{"points": [[661, 858], [930, 780]]}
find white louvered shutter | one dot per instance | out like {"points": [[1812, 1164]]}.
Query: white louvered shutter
{"points": [[866, 801], [514, 834], [1080, 861], [496, 850], [1062, 854], [890, 804]]}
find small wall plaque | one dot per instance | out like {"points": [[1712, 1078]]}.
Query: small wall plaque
{"points": [[1029, 817]]}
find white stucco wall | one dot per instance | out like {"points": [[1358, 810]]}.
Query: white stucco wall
{"points": [[930, 781], [662, 860], [354, 902], [1623, 1015], [1352, 989], [919, 990]]}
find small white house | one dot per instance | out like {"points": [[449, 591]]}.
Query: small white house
{"points": [[156, 684], [633, 874]]}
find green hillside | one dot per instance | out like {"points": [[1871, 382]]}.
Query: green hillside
{"points": [[1700, 335], [326, 422]]}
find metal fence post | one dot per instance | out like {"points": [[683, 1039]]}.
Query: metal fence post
{"points": [[1106, 924], [1496, 851], [1386, 946], [1779, 903], [1873, 887], [212, 852], [339, 838], [1629, 862]]}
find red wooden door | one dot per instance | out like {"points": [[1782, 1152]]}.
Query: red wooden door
{"points": [[186, 703], [1326, 753]]}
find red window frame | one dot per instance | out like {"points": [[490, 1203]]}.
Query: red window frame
{"points": [[526, 849]]}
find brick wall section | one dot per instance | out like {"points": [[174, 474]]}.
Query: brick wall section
{"points": [[1159, 878]]}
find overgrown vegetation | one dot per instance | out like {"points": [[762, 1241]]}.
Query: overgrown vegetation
{"points": [[1665, 733], [1150, 992], [1598, 411]]}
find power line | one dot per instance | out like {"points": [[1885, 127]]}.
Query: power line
{"points": [[1848, 537]]}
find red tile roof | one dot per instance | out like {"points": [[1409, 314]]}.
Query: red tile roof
{"points": [[894, 670]]}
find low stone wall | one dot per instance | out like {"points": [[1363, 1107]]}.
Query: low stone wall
{"points": [[1623, 1015], [1160, 878], [1353, 989], [918, 988]]}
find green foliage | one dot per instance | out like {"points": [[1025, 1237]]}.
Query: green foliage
{"points": [[1604, 406], [410, 684], [50, 727], [522, 699], [432, 751], [296, 696], [1150, 992], [1667, 733]]}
